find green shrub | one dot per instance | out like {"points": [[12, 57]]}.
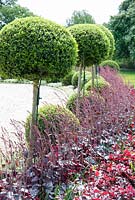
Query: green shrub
{"points": [[72, 100], [99, 83], [53, 119], [111, 40], [110, 63], [93, 44], [74, 80], [35, 48], [67, 80]]}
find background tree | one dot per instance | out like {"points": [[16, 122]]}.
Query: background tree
{"points": [[93, 46], [80, 17], [35, 48], [121, 26], [7, 2], [10, 12]]}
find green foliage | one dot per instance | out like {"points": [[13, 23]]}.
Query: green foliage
{"points": [[99, 83], [126, 63], [80, 17], [110, 63], [34, 48], [111, 40], [74, 80], [128, 76], [9, 13], [7, 2], [92, 42], [131, 40], [67, 80], [125, 5], [122, 26], [52, 118], [72, 100]]}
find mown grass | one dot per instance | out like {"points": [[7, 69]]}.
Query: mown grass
{"points": [[129, 76]]}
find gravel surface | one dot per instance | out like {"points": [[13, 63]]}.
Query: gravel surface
{"points": [[16, 101]]}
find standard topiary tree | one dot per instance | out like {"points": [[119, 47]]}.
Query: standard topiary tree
{"points": [[110, 38], [93, 45], [92, 42], [34, 48]]}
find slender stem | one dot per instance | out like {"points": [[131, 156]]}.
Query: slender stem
{"points": [[84, 80], [93, 76], [35, 102], [79, 88]]}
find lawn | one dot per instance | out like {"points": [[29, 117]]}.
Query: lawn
{"points": [[129, 76]]}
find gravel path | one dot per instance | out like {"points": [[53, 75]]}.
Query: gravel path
{"points": [[16, 101], [16, 104]]}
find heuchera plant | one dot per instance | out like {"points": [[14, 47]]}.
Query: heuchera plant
{"points": [[95, 162]]}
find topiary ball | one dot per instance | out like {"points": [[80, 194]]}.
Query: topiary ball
{"points": [[100, 83], [93, 44], [111, 63], [35, 48], [74, 80], [67, 80], [110, 38], [52, 120], [72, 100]]}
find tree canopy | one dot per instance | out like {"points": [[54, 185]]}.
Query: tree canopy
{"points": [[122, 26], [10, 12], [33, 47], [92, 42], [110, 38], [80, 17], [7, 2]]}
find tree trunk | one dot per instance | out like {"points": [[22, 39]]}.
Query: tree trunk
{"points": [[34, 106], [79, 81], [79, 88], [93, 75], [84, 81], [36, 87]]}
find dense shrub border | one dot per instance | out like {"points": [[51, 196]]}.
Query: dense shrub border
{"points": [[96, 163]]}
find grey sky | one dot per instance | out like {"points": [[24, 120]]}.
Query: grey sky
{"points": [[60, 10]]}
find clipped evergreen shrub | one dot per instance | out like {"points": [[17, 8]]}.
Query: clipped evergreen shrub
{"points": [[72, 100], [111, 63], [74, 80], [35, 48], [110, 38], [93, 44], [67, 80], [53, 119], [100, 83]]}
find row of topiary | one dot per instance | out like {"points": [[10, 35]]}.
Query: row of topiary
{"points": [[72, 77], [52, 117], [34, 48]]}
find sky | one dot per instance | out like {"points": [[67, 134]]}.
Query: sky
{"points": [[60, 10]]}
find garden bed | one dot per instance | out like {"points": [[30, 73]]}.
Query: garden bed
{"points": [[94, 162]]}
